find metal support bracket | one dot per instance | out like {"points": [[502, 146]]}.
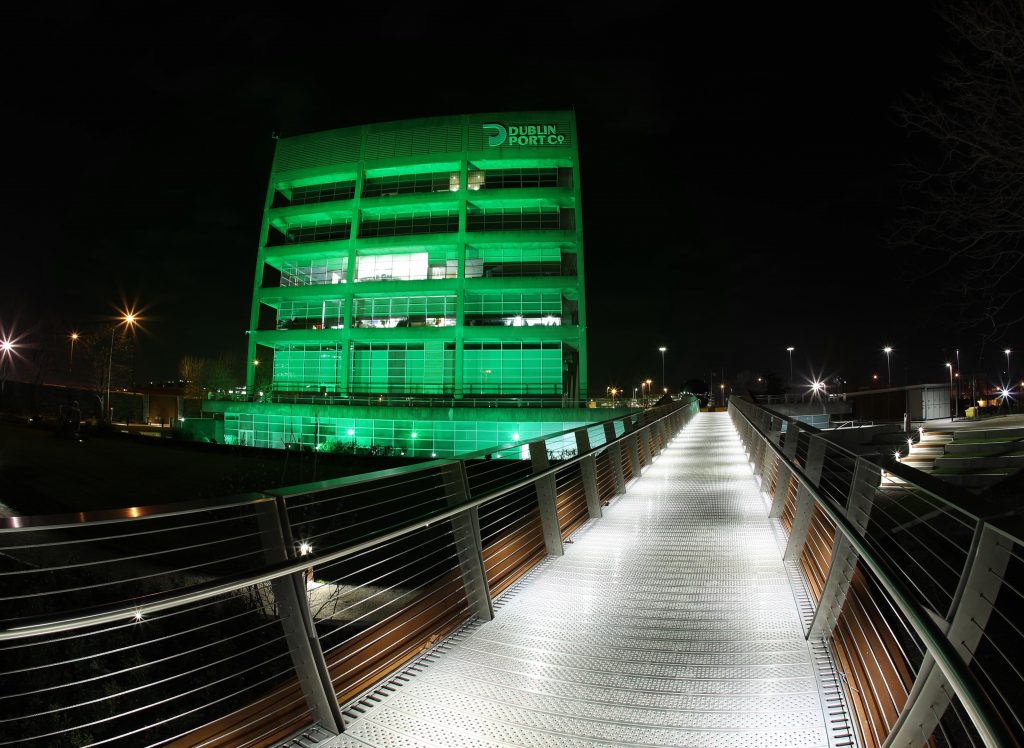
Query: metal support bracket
{"points": [[546, 499], [929, 697], [615, 458], [866, 478], [468, 544], [801, 524], [293, 610], [588, 471], [781, 490]]}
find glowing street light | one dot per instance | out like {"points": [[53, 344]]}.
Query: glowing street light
{"points": [[888, 365], [791, 349], [663, 349], [1008, 352], [73, 337], [128, 319], [6, 352]]}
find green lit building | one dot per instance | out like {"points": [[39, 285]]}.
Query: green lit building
{"points": [[419, 284]]}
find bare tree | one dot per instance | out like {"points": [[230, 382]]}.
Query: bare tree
{"points": [[222, 373], [190, 369], [967, 194]]}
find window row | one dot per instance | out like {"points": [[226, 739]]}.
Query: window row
{"points": [[508, 309], [437, 263], [440, 438], [427, 222], [425, 182], [508, 368], [404, 311]]}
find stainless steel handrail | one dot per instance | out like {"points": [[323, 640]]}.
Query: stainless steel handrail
{"points": [[60, 521], [992, 728], [203, 591]]}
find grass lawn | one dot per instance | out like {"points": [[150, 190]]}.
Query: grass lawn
{"points": [[43, 474]]}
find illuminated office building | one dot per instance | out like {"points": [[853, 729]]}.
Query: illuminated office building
{"points": [[419, 285]]}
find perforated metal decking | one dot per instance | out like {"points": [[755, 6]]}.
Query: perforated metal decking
{"points": [[668, 622]]}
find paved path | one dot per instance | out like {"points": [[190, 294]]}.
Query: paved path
{"points": [[668, 622]]}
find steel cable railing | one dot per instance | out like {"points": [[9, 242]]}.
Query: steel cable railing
{"points": [[241, 621], [914, 591]]}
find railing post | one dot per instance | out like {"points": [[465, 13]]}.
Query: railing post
{"points": [[929, 696], [867, 476], [766, 454], [468, 544], [805, 500], [774, 430], [588, 471], [293, 610], [632, 444], [643, 438], [546, 499], [792, 437], [615, 458]]}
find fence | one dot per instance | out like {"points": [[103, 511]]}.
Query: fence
{"points": [[241, 621], [913, 588]]}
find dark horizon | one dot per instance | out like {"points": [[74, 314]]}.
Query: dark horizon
{"points": [[763, 164]]}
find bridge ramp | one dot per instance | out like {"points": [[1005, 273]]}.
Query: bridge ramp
{"points": [[670, 621]]}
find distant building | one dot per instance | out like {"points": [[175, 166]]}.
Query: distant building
{"points": [[419, 285]]}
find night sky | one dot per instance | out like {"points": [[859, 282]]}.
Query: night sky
{"points": [[739, 168]]}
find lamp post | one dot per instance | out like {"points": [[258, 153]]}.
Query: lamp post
{"points": [[6, 351], [662, 349], [888, 363], [128, 320], [951, 394], [73, 337], [791, 349], [1008, 377], [958, 380]]}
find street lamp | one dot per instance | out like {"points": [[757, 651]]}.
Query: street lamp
{"points": [[128, 319], [663, 349], [1008, 377], [950, 367], [71, 361], [888, 364], [6, 351], [791, 349]]}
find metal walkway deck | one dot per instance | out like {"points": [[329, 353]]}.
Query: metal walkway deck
{"points": [[670, 621]]}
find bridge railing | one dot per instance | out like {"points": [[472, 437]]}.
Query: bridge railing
{"points": [[915, 590], [242, 621]]}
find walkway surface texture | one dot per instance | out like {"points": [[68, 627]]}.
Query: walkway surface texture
{"points": [[670, 621]]}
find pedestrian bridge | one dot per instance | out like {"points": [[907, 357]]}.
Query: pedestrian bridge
{"points": [[673, 578]]}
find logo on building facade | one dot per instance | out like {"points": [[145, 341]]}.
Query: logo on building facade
{"points": [[523, 135], [497, 137]]}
